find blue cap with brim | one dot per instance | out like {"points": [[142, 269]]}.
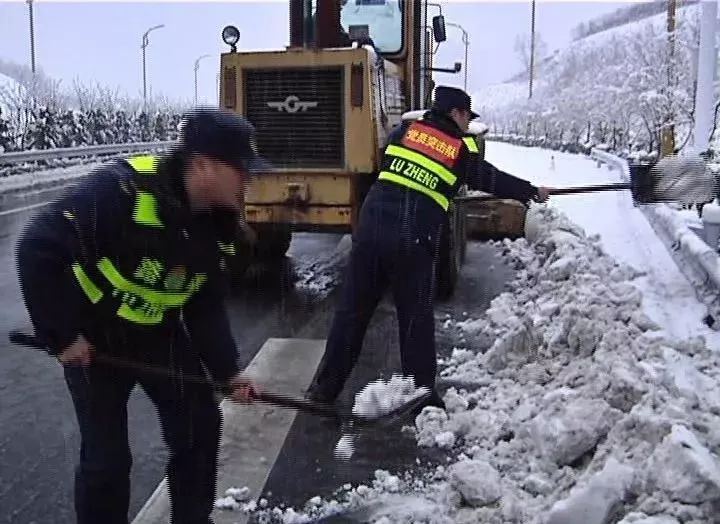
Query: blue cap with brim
{"points": [[448, 98], [222, 135]]}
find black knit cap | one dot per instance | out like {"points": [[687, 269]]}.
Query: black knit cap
{"points": [[448, 98], [222, 135]]}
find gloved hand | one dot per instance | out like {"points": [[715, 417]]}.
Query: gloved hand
{"points": [[243, 390]]}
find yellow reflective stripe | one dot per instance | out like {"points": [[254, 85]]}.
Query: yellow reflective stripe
{"points": [[227, 248], [437, 197], [91, 290], [68, 215], [163, 298], [145, 164], [139, 317], [471, 144], [423, 161], [196, 283], [145, 211]]}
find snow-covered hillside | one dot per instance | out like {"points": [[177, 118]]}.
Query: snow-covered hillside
{"points": [[611, 84]]}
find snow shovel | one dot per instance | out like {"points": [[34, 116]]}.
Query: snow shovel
{"points": [[683, 179], [345, 420]]}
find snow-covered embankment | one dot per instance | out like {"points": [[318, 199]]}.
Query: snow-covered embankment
{"points": [[580, 411]]}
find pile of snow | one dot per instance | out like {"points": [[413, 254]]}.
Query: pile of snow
{"points": [[234, 499], [575, 409]]}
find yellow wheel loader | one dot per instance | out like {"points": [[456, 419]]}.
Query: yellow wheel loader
{"points": [[323, 108]]}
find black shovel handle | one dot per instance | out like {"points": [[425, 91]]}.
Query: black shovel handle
{"points": [[23, 339], [572, 190], [619, 186]]}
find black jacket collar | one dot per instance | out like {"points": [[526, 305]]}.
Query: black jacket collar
{"points": [[443, 122]]}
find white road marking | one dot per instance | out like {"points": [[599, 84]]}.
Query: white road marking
{"points": [[253, 435], [21, 209]]}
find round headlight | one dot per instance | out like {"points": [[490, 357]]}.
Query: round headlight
{"points": [[230, 35]]}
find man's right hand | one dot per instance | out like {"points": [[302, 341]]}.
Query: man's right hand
{"points": [[79, 353]]}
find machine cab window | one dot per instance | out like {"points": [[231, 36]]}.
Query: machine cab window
{"points": [[381, 20]]}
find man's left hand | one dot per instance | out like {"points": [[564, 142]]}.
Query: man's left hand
{"points": [[543, 193], [242, 389]]}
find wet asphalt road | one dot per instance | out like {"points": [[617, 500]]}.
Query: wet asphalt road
{"points": [[38, 434]]}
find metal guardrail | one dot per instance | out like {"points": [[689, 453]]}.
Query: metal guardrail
{"points": [[21, 157], [615, 162]]}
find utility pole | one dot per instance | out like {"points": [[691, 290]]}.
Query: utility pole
{"points": [[706, 67], [32, 49], [145, 42], [532, 48], [197, 66], [466, 41], [667, 134]]}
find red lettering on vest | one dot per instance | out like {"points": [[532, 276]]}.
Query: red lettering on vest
{"points": [[433, 143]]}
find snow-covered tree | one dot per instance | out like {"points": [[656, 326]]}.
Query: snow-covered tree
{"points": [[6, 138]]}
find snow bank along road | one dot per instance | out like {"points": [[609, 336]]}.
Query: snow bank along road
{"points": [[584, 394]]}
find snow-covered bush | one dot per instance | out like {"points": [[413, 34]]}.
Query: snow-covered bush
{"points": [[90, 115]]}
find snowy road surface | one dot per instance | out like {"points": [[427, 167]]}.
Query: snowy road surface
{"points": [[625, 232]]}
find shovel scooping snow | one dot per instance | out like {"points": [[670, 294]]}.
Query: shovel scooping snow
{"points": [[383, 401], [683, 179]]}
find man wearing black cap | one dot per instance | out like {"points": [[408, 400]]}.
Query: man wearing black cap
{"points": [[397, 240], [129, 263]]}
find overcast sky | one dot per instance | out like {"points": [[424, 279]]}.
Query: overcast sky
{"points": [[100, 41]]}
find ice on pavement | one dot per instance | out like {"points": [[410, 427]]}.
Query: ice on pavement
{"points": [[575, 407]]}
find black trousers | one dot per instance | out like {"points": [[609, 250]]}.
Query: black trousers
{"points": [[395, 246], [190, 422]]}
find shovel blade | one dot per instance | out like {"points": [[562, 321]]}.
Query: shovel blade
{"points": [[683, 179], [392, 417]]}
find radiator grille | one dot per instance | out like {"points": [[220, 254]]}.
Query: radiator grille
{"points": [[289, 133]]}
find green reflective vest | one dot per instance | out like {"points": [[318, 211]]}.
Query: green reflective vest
{"points": [[428, 160], [152, 286]]}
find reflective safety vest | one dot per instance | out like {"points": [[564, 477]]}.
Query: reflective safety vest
{"points": [[428, 160], [152, 289]]}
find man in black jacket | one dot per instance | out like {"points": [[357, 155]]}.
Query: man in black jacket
{"points": [[397, 240], [129, 263]]}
